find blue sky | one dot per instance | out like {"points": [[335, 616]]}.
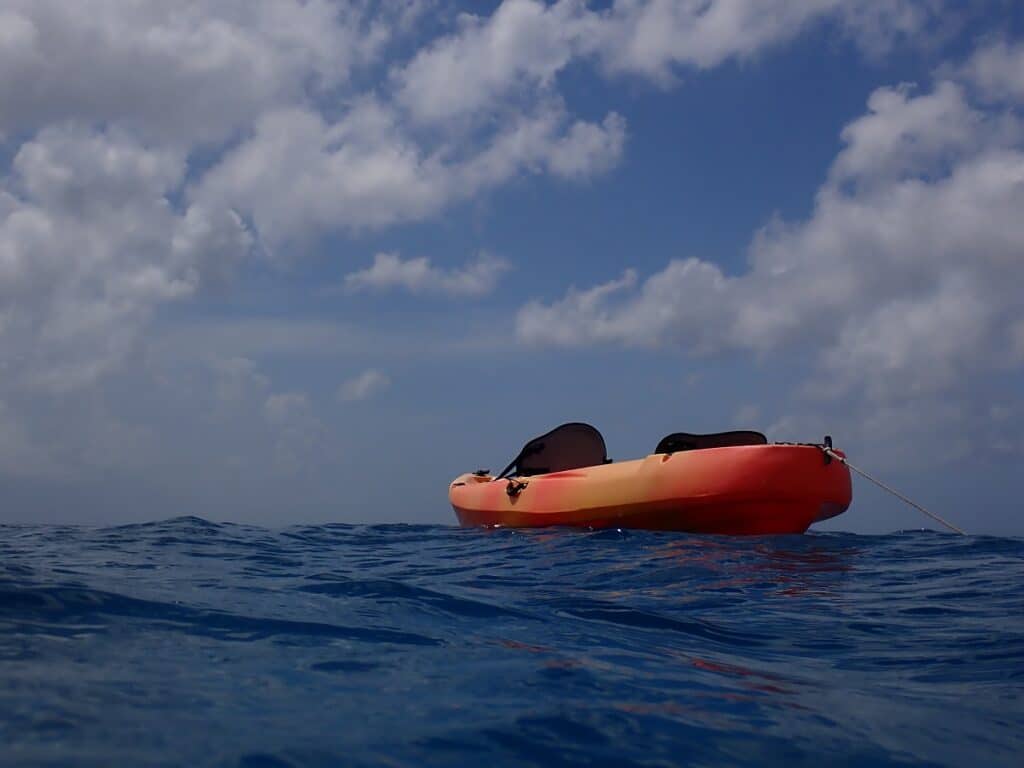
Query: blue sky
{"points": [[280, 261]]}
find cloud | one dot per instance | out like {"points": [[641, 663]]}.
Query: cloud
{"points": [[194, 71], [523, 43], [520, 49], [300, 175], [905, 279], [655, 38], [904, 137], [419, 276], [364, 386], [588, 149], [91, 245], [685, 301], [997, 70]]}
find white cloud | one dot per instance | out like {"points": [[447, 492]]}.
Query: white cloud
{"points": [[877, 26], [417, 275], [997, 70], [588, 148], [916, 345], [653, 38], [523, 43], [522, 47], [686, 300], [542, 142], [364, 386], [181, 72], [905, 279], [299, 175], [903, 136], [90, 245]]}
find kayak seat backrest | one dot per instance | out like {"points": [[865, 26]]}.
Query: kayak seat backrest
{"points": [[684, 441], [569, 446]]}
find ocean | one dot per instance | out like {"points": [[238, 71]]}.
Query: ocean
{"points": [[188, 642]]}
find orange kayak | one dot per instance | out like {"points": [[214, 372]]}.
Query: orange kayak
{"points": [[733, 489]]}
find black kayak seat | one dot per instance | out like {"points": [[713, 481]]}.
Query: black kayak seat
{"points": [[685, 441], [569, 446]]}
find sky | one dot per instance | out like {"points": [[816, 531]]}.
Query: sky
{"points": [[299, 261]]}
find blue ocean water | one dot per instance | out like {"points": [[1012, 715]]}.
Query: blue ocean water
{"points": [[186, 642]]}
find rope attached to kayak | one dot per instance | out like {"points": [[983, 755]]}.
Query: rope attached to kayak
{"points": [[829, 452]]}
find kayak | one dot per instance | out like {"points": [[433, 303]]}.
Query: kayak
{"points": [[729, 483]]}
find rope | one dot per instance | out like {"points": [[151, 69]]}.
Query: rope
{"points": [[893, 491]]}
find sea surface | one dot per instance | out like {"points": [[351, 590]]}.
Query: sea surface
{"points": [[186, 642]]}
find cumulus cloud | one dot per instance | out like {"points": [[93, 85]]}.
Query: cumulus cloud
{"points": [[997, 70], [299, 174], [654, 38], [905, 278], [525, 44], [588, 148], [90, 245], [417, 275], [364, 386], [191, 71], [902, 137]]}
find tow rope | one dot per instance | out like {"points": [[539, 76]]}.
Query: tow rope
{"points": [[829, 452]]}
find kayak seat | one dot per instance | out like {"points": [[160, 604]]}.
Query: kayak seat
{"points": [[685, 441], [570, 446]]}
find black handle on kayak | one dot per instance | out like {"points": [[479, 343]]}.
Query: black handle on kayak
{"points": [[515, 487]]}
